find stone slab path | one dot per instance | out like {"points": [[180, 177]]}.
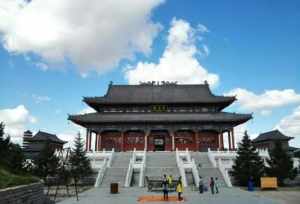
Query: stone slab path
{"points": [[131, 195]]}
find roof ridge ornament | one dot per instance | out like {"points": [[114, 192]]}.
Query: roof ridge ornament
{"points": [[158, 83]]}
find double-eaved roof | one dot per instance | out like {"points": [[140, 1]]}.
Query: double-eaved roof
{"points": [[159, 94], [149, 94], [274, 135]]}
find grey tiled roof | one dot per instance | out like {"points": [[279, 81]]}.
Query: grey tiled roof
{"points": [[44, 136], [145, 94], [159, 117], [272, 135]]}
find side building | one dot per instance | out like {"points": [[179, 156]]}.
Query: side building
{"points": [[267, 140], [159, 117], [34, 144]]}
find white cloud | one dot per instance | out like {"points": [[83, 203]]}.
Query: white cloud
{"points": [[202, 28], [239, 132], [290, 125], [39, 99], [42, 66], [95, 35], [68, 137], [87, 110], [15, 120], [178, 62], [264, 103]]}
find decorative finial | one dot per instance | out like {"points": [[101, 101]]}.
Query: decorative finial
{"points": [[110, 83]]}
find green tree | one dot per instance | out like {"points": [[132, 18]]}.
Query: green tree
{"points": [[248, 164], [11, 155], [46, 163], [280, 164], [80, 166], [4, 144]]}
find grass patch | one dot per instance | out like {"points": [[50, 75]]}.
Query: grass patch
{"points": [[8, 179]]}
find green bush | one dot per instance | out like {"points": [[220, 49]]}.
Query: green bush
{"points": [[8, 179]]}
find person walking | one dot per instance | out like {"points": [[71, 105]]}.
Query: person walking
{"points": [[179, 188], [201, 185], [165, 184], [217, 185], [212, 185]]}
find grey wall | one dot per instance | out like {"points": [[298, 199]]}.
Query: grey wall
{"points": [[26, 194]]}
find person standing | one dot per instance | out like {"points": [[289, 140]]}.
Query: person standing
{"points": [[217, 185], [165, 184], [170, 180], [201, 185], [212, 185], [179, 188], [250, 184]]}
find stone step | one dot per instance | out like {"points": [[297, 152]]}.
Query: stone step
{"points": [[121, 159], [202, 159], [157, 172], [114, 175], [161, 159], [206, 171], [160, 163], [118, 170]]}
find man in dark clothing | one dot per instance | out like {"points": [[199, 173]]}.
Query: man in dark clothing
{"points": [[201, 185], [212, 185], [165, 184]]}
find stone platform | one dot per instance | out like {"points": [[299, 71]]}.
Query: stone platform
{"points": [[131, 195]]}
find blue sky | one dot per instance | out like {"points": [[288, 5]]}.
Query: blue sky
{"points": [[252, 47]]}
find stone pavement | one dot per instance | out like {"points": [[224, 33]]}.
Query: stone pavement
{"points": [[130, 196]]}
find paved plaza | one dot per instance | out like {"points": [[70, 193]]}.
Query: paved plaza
{"points": [[131, 195]]}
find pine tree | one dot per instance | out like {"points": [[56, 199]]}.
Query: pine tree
{"points": [[248, 164], [4, 143], [2, 146], [46, 163], [11, 155], [1, 132], [280, 164], [80, 164]]}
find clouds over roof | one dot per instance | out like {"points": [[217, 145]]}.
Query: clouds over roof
{"points": [[265, 102], [290, 125], [15, 120], [94, 35], [179, 60]]}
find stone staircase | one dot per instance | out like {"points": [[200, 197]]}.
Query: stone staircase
{"points": [[117, 172], [207, 170], [160, 163]]}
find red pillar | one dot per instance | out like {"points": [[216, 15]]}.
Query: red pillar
{"points": [[222, 141], [122, 142], [96, 142], [146, 140], [229, 140], [219, 140], [232, 135], [90, 140], [99, 142], [87, 140], [195, 140]]}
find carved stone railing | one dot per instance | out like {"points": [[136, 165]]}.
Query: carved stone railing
{"points": [[101, 173], [100, 160], [138, 163]]}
